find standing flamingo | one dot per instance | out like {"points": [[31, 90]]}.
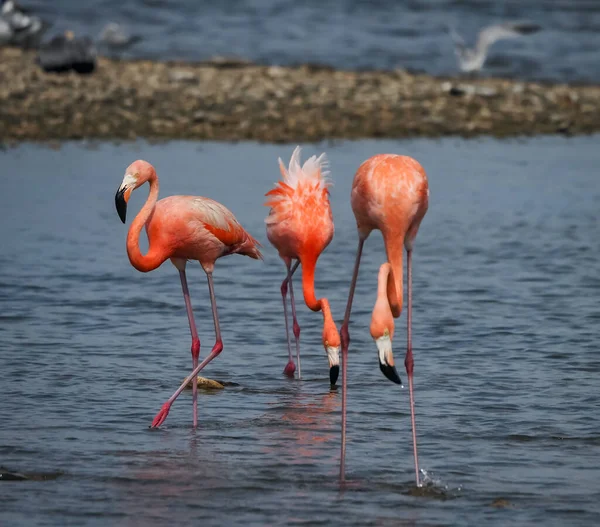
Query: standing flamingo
{"points": [[300, 226], [389, 193], [182, 228]]}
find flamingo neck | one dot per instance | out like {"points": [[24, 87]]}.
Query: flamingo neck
{"points": [[381, 319], [153, 258], [331, 336], [308, 283], [395, 284]]}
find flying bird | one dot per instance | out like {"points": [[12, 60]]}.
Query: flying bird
{"points": [[300, 227], [117, 37], [390, 193], [473, 59], [182, 228]]}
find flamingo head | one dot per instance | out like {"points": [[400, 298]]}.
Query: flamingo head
{"points": [[135, 176], [386, 357], [331, 343], [382, 326]]}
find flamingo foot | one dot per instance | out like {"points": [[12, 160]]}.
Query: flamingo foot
{"points": [[289, 369], [161, 416]]}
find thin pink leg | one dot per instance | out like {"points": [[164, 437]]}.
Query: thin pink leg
{"points": [[290, 367], [217, 348], [295, 319], [345, 338], [409, 362], [195, 344]]}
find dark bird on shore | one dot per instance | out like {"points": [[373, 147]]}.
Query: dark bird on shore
{"points": [[117, 37], [67, 52], [473, 59], [18, 27]]}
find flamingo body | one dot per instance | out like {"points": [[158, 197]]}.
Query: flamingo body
{"points": [[197, 228], [300, 222], [300, 226], [389, 193], [182, 228]]}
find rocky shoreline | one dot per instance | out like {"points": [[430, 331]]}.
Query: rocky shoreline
{"points": [[229, 100]]}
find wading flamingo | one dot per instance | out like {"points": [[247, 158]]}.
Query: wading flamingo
{"points": [[300, 226], [182, 228], [389, 193]]}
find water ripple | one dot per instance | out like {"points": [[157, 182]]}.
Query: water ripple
{"points": [[505, 332]]}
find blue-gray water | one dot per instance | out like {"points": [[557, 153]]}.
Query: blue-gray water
{"points": [[506, 332], [348, 33]]}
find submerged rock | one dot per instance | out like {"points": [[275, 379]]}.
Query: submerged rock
{"points": [[207, 384], [9, 475]]}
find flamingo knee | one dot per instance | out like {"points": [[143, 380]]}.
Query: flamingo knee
{"points": [[345, 337], [195, 348], [409, 362], [217, 348], [296, 329]]}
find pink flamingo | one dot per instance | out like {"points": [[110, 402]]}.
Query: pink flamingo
{"points": [[389, 193], [300, 226], [182, 228]]}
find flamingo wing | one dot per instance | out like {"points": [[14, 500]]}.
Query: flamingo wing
{"points": [[223, 225]]}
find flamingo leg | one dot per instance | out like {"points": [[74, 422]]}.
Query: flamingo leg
{"points": [[217, 348], [195, 343], [409, 362], [290, 366], [345, 338], [296, 326]]}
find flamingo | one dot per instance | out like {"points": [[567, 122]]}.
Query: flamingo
{"points": [[389, 193], [182, 228], [300, 227]]}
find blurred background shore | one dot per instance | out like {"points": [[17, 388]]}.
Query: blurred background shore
{"points": [[289, 72], [234, 101]]}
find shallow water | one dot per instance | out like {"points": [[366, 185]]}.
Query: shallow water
{"points": [[506, 330], [348, 34]]}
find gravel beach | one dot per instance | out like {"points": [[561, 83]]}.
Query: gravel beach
{"points": [[233, 100]]}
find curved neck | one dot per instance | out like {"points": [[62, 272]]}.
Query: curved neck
{"points": [[308, 283], [395, 284], [330, 333], [331, 336], [153, 258], [381, 319]]}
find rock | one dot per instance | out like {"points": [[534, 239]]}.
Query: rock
{"points": [[9, 475], [500, 503], [66, 52], [182, 76], [207, 384]]}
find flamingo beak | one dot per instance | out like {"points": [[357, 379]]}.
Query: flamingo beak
{"points": [[122, 196], [386, 359], [334, 373], [333, 354], [121, 199], [121, 203]]}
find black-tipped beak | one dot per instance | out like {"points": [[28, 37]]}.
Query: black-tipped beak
{"points": [[390, 372], [121, 204], [334, 373]]}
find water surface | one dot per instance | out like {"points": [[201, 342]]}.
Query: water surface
{"points": [[348, 34], [506, 331]]}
